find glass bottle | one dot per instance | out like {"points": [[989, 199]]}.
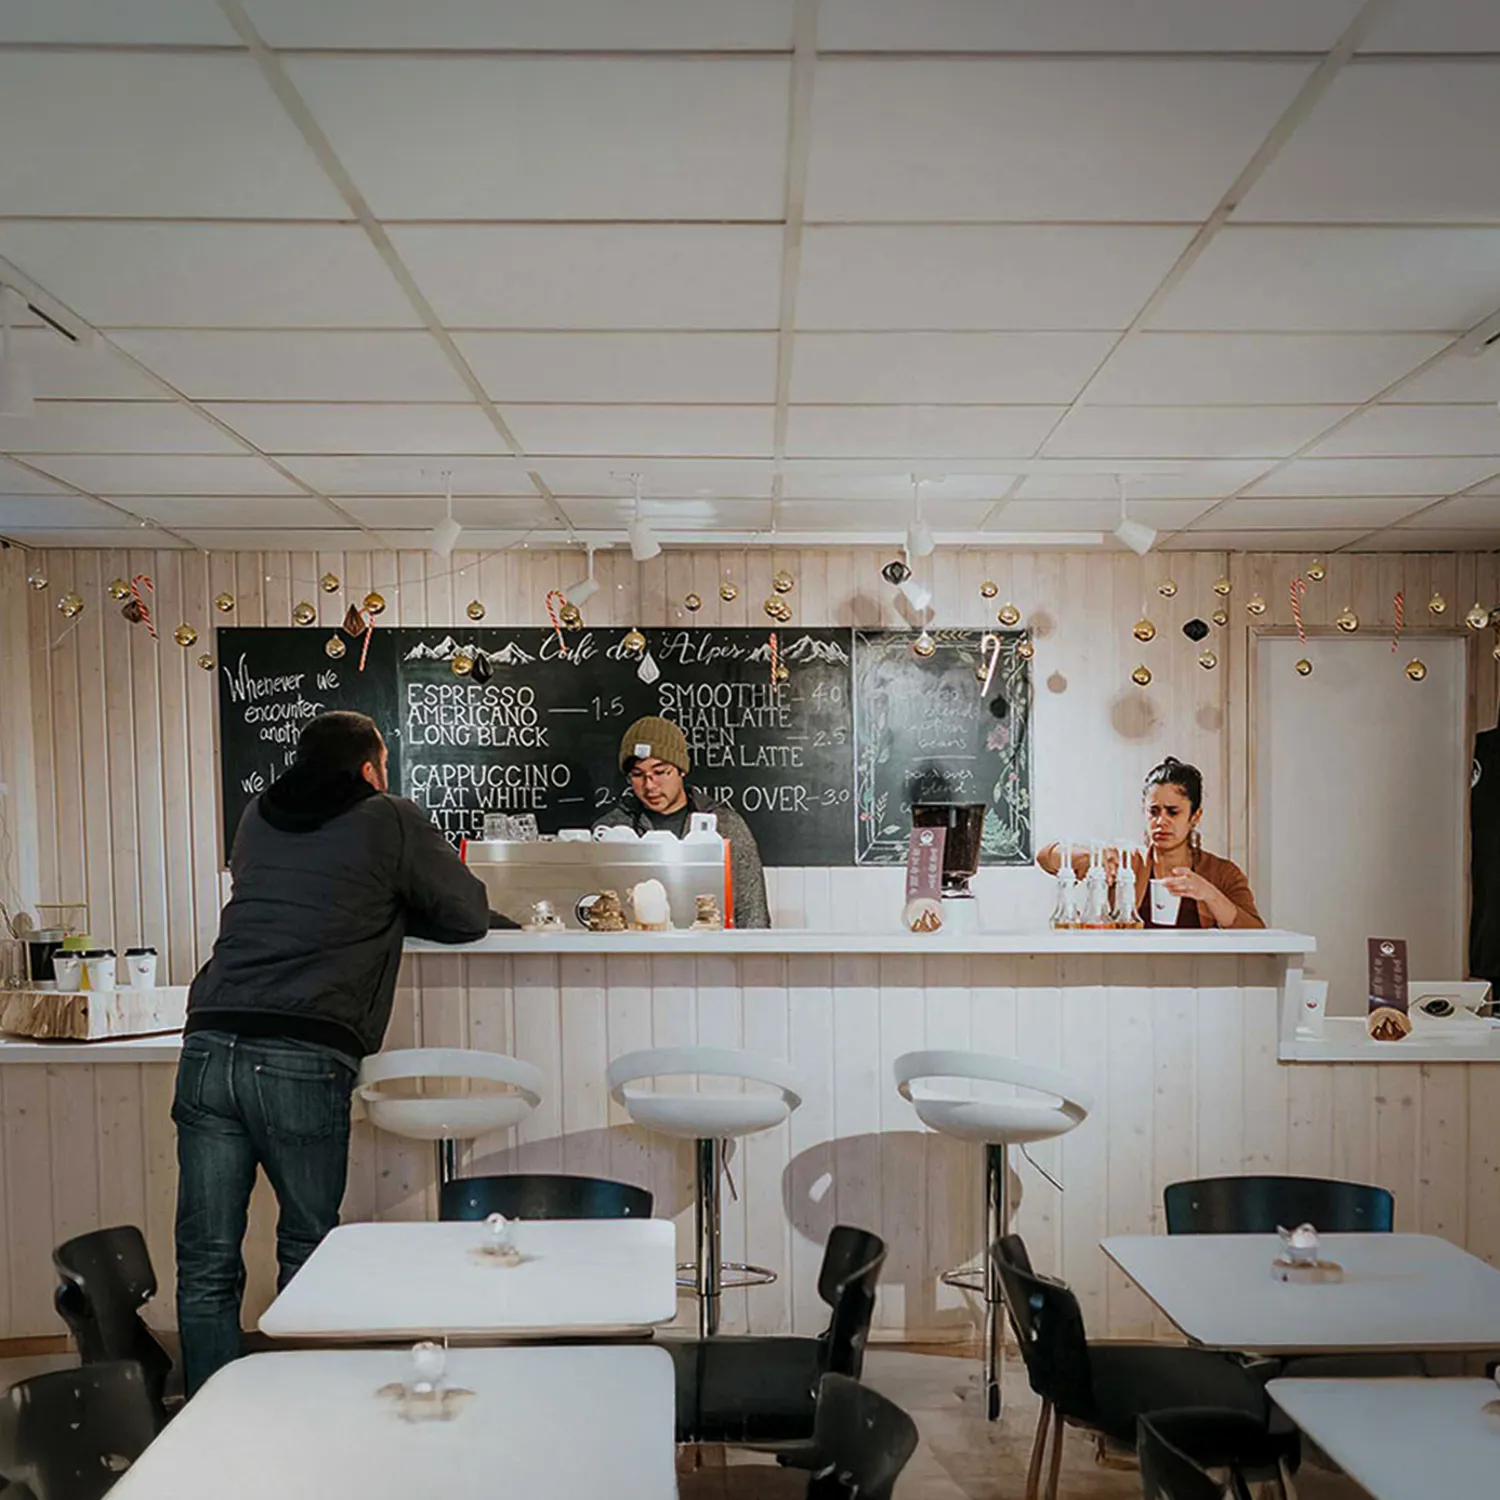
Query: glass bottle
{"points": [[1065, 907], [1126, 912], [1096, 894]]}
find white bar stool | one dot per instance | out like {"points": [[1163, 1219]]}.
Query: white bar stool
{"points": [[707, 1119], [452, 1117], [996, 1124]]}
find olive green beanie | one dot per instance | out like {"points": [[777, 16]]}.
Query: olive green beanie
{"points": [[655, 739]]}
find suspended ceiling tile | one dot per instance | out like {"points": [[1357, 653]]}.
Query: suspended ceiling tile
{"points": [[81, 372], [1094, 515], [1460, 377], [556, 138], [839, 479], [1398, 431], [1185, 480], [356, 429], [1083, 25], [1390, 142], [152, 135], [211, 275], [1436, 26], [973, 277], [643, 25], [1186, 369], [596, 276], [1376, 476], [1337, 279], [640, 367], [668, 517], [302, 539], [686, 431], [1463, 511], [1257, 541], [423, 474], [668, 477], [116, 538], [117, 475], [859, 518], [182, 512], [178, 23], [1425, 539], [920, 432], [1250, 513], [241, 365], [984, 139], [19, 479], [1188, 432], [471, 512], [50, 511], [916, 368], [112, 427]]}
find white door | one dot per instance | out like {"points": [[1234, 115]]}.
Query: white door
{"points": [[1360, 799]]}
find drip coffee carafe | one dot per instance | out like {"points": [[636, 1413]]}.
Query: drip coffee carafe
{"points": [[964, 825]]}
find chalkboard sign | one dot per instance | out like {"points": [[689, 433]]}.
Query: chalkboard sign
{"points": [[542, 734], [925, 733]]}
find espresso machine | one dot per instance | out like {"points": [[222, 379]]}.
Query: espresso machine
{"points": [[963, 823]]}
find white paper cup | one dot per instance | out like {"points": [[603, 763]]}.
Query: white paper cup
{"points": [[67, 969], [141, 970], [100, 971], [1164, 905]]}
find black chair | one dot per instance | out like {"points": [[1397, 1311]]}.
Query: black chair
{"points": [[1106, 1387], [71, 1434], [105, 1278], [1177, 1449], [762, 1392], [1258, 1205], [861, 1442], [542, 1195]]}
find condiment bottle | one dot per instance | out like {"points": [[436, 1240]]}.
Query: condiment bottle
{"points": [[1096, 893], [1126, 914], [1065, 908]]}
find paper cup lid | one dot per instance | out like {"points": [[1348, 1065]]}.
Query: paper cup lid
{"points": [[140, 952]]}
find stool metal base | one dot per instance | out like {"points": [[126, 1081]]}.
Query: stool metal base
{"points": [[707, 1272], [984, 1280], [447, 1161]]}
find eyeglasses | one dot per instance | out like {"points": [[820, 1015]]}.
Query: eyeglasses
{"points": [[665, 773]]}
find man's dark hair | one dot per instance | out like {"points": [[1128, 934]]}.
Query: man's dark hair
{"points": [[339, 741]]}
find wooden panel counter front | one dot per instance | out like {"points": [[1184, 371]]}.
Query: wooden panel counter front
{"points": [[1175, 1035]]}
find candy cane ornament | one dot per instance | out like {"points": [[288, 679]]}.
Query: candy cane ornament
{"points": [[369, 630], [990, 642], [1296, 591], [555, 599], [775, 662], [1399, 602], [144, 580]]}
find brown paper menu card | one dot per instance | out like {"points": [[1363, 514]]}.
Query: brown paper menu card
{"points": [[924, 879], [1387, 1020]]}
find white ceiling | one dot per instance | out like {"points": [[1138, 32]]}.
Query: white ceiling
{"points": [[325, 259]]}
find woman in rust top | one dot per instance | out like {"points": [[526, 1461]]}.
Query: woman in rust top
{"points": [[1214, 891]]}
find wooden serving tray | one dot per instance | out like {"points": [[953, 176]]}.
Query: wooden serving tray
{"points": [[93, 1015]]}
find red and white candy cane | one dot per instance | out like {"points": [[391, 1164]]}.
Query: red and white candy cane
{"points": [[1399, 602], [775, 662], [1297, 590], [989, 642], [139, 582], [369, 630], [555, 599]]}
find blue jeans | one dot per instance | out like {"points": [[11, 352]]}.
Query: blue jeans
{"points": [[243, 1102]]}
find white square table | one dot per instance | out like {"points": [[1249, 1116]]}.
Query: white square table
{"points": [[1399, 1292], [1402, 1439], [572, 1422], [369, 1282]]}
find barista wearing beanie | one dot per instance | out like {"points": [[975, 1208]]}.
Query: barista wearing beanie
{"points": [[654, 756]]}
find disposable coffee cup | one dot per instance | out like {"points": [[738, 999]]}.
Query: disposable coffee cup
{"points": [[99, 969], [140, 968], [1164, 905], [67, 969]]}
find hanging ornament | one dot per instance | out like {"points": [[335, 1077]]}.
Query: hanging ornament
{"points": [[1220, 617], [1141, 677], [1195, 630], [483, 671], [1347, 621], [783, 582], [475, 610], [1437, 605], [773, 647], [1143, 630], [335, 646], [224, 603], [354, 624], [772, 607], [70, 606], [1009, 616], [985, 672], [1256, 605], [729, 592], [329, 583], [1025, 648], [556, 601], [571, 617], [1317, 572], [462, 663], [206, 661], [1478, 617], [1207, 660], [895, 572], [1304, 668], [140, 586], [1495, 617], [304, 613], [185, 636], [1398, 608], [692, 604], [988, 589], [119, 590], [1166, 588], [1416, 669], [1223, 587], [133, 610], [780, 673], [38, 581], [1295, 590], [648, 671], [633, 643], [924, 645], [374, 603]]}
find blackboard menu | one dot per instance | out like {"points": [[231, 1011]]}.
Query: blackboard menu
{"points": [[924, 732]]}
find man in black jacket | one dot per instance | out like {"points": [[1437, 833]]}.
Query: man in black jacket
{"points": [[330, 874]]}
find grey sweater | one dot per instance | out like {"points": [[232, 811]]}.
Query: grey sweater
{"points": [[751, 908]]}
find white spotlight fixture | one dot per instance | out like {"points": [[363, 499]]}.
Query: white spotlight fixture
{"points": [[1136, 535], [919, 542], [581, 592], [917, 595], [643, 543], [446, 533], [16, 399]]}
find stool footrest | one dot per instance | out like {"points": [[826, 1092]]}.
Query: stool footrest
{"points": [[687, 1275], [965, 1279]]}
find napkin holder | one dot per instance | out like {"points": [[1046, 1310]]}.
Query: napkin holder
{"points": [[1301, 1261]]}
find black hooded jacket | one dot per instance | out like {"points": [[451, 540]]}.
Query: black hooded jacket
{"points": [[329, 877]]}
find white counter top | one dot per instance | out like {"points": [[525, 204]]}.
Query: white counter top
{"points": [[125, 1049], [788, 940], [1345, 1039]]}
